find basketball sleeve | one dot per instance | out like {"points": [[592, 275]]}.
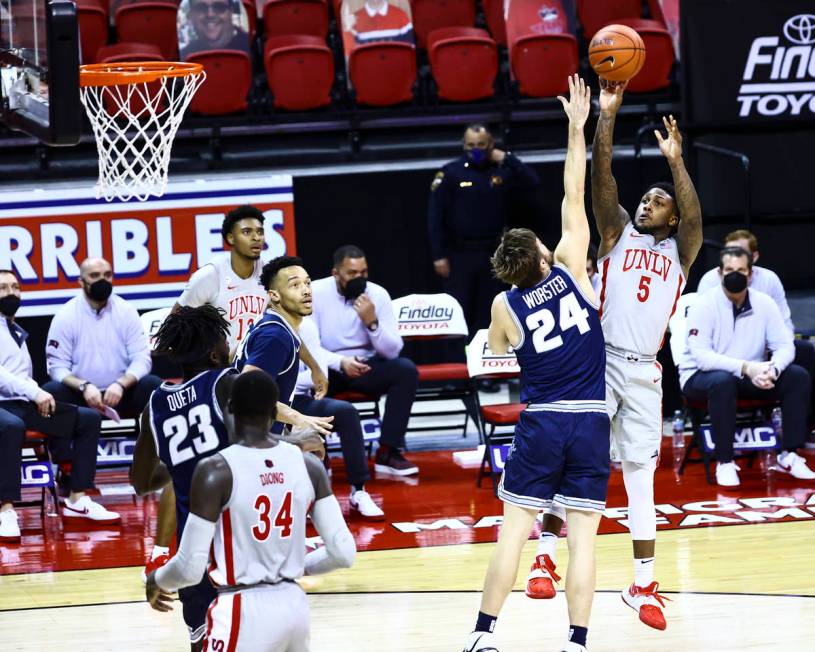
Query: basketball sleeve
{"points": [[189, 564], [271, 349], [339, 550], [201, 288]]}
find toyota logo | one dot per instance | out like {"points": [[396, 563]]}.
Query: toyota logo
{"points": [[800, 29]]}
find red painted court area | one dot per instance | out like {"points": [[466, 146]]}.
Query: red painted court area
{"points": [[442, 506]]}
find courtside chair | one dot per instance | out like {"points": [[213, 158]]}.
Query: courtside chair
{"points": [[37, 443], [426, 317], [483, 364]]}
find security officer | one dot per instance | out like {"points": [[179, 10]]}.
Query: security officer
{"points": [[468, 211]]}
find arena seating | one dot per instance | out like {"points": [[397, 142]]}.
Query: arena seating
{"points": [[429, 15], [464, 62], [229, 78], [383, 74], [655, 73], [282, 17], [593, 15], [299, 71], [93, 28], [150, 22]]}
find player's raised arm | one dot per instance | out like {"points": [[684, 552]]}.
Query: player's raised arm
{"points": [[610, 216], [689, 234], [574, 242]]}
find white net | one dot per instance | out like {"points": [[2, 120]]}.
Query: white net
{"points": [[134, 125]]}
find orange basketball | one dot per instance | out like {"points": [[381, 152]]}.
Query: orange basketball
{"points": [[616, 53]]}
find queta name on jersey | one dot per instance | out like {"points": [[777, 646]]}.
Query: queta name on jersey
{"points": [[545, 292], [181, 398], [652, 261]]}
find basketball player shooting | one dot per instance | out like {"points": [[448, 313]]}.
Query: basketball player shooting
{"points": [[560, 451], [643, 264], [248, 504]]}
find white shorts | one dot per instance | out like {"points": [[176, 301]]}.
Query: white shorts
{"points": [[272, 618], [634, 403]]}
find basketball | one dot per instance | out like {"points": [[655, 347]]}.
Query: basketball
{"points": [[616, 53]]}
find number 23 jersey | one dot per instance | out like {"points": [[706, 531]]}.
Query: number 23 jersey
{"points": [[187, 426], [562, 353]]}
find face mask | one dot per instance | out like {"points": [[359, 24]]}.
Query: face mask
{"points": [[9, 305], [354, 288], [734, 282], [477, 156], [100, 290]]}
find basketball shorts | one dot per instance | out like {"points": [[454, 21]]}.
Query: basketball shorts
{"points": [[195, 601], [267, 618], [634, 402], [559, 455]]}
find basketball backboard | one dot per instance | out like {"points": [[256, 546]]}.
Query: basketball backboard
{"points": [[39, 69]]}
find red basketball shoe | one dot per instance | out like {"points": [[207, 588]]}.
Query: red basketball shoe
{"points": [[540, 583], [648, 603]]}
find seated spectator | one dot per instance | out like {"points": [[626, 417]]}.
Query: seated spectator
{"points": [[375, 21], [729, 329], [97, 351], [23, 405], [211, 25], [346, 424], [358, 329]]}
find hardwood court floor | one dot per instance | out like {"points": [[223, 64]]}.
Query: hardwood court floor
{"points": [[738, 565]]}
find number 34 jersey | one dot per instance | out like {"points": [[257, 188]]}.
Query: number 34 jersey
{"points": [[187, 426], [562, 353]]}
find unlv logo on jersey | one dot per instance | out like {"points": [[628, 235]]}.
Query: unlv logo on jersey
{"points": [[652, 261]]}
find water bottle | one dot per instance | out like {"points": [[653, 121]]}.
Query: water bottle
{"points": [[770, 453], [679, 429]]}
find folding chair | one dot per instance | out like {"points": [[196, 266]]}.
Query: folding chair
{"points": [[483, 364], [37, 470]]}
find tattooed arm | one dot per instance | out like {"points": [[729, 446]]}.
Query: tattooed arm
{"points": [[610, 216], [689, 233]]}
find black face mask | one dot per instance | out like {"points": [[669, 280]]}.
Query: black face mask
{"points": [[354, 288], [99, 290], [9, 305], [734, 282]]}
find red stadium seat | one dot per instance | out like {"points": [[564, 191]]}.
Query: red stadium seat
{"points": [[383, 74], [594, 14], [429, 15], [129, 52], [542, 63], [281, 17], [229, 79], [659, 57], [300, 71], [150, 22], [464, 62], [494, 15], [93, 29], [251, 16]]}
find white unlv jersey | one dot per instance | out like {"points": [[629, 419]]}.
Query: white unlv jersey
{"points": [[641, 281], [242, 299], [261, 533]]}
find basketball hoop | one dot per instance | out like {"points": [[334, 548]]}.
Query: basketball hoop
{"points": [[135, 109]]}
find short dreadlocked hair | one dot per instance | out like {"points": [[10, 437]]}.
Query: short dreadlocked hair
{"points": [[271, 268], [189, 335], [240, 213], [517, 260]]}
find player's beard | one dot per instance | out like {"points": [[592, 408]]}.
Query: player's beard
{"points": [[644, 230]]}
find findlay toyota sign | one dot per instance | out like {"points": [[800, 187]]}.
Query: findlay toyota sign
{"points": [[748, 61]]}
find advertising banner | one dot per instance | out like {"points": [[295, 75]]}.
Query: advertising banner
{"points": [[481, 361], [749, 61], [754, 436], [153, 245], [429, 315]]}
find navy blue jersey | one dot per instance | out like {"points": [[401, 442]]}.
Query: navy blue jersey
{"points": [[187, 426], [562, 352], [274, 346]]}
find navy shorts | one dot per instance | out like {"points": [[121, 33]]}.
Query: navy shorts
{"points": [[195, 601], [559, 455]]}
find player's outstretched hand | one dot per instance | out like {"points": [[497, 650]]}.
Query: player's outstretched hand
{"points": [[322, 425], [611, 95], [671, 145], [308, 440], [578, 105], [158, 598], [320, 381]]}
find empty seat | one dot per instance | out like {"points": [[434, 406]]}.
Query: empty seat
{"points": [[494, 15], [149, 22], [281, 17], [300, 71], [229, 78], [383, 74], [659, 57], [542, 63], [464, 62], [594, 14], [93, 29], [429, 15]]}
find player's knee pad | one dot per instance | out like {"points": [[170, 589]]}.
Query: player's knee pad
{"points": [[639, 485]]}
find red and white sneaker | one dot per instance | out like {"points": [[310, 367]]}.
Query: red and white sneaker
{"points": [[792, 463], [87, 512], [540, 583], [362, 503], [154, 564], [648, 603]]}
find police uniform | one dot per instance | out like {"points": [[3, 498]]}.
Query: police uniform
{"points": [[466, 215]]}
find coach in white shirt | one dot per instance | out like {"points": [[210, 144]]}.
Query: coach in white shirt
{"points": [[729, 329], [24, 406], [97, 351], [359, 330]]}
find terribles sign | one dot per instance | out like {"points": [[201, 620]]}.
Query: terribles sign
{"points": [[153, 246], [763, 70]]}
